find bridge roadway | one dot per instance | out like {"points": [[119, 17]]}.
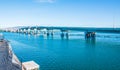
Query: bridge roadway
{"points": [[83, 29], [89, 31]]}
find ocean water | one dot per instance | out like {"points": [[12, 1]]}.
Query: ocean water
{"points": [[75, 53]]}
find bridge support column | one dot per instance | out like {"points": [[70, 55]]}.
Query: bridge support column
{"points": [[33, 31], [62, 34], [38, 31], [93, 35], [67, 35], [48, 32], [24, 31], [90, 35], [18, 31], [28, 30], [52, 33], [21, 31], [87, 35]]}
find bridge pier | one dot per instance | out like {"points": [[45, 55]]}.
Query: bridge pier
{"points": [[28, 31], [93, 35], [48, 32], [90, 35], [31, 31], [64, 33], [67, 35], [35, 31], [38, 31], [24, 31], [52, 33], [20, 30]]}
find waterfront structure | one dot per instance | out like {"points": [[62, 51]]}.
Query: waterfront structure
{"points": [[8, 60], [89, 32], [30, 65]]}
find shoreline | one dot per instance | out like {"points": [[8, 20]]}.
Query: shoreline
{"points": [[8, 60]]}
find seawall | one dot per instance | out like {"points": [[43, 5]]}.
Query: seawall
{"points": [[8, 60]]}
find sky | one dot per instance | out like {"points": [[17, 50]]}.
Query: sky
{"points": [[70, 13]]}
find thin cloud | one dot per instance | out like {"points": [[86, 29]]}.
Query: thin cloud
{"points": [[45, 1]]}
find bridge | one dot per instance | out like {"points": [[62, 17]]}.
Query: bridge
{"points": [[89, 31]]}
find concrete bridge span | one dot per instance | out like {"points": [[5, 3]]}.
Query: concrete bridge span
{"points": [[89, 31]]}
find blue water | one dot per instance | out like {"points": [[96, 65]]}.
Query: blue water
{"points": [[75, 53]]}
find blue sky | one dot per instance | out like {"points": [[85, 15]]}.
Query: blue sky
{"points": [[75, 13]]}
